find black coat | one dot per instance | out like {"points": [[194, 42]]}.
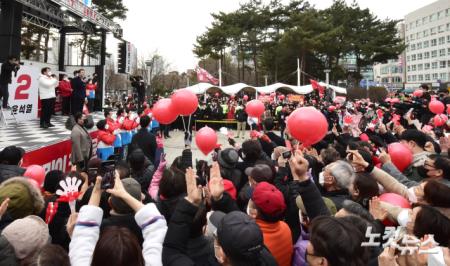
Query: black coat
{"points": [[79, 88], [145, 141], [6, 72], [8, 171]]}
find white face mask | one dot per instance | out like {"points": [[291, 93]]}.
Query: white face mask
{"points": [[321, 179], [107, 127], [412, 195]]}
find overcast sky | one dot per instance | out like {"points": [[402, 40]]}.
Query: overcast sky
{"points": [[171, 26]]}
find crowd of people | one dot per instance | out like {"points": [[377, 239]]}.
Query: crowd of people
{"points": [[266, 199]]}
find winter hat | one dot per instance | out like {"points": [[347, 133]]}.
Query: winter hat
{"points": [[229, 188], [11, 155], [134, 189], [268, 199], [228, 158], [260, 173], [329, 203], [27, 235], [24, 198]]}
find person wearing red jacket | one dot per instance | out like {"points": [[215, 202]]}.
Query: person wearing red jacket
{"points": [[114, 128], [105, 141], [65, 90], [90, 94]]}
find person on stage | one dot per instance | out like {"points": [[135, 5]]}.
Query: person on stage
{"points": [[47, 94], [11, 65], [79, 92]]}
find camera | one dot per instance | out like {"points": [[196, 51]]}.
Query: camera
{"points": [[287, 154]]}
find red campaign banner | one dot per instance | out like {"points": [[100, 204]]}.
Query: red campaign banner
{"points": [[55, 156]]}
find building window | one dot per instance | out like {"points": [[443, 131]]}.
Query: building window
{"points": [[443, 76], [448, 38], [413, 57], [440, 14], [413, 68], [419, 56], [433, 31], [420, 67], [442, 52], [433, 54], [434, 65], [427, 66], [433, 42], [426, 33], [409, 78], [435, 76], [409, 68], [427, 76], [414, 77], [448, 51], [448, 26], [441, 28], [419, 46], [426, 44], [442, 64], [426, 55], [420, 78], [424, 20], [411, 37], [441, 40], [413, 47], [408, 58]]}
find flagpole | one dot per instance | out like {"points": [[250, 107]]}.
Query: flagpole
{"points": [[220, 72], [298, 72]]}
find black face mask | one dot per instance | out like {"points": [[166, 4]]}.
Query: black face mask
{"points": [[422, 171]]}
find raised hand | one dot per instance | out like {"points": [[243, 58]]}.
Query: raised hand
{"points": [[194, 192], [376, 210], [4, 207], [216, 187], [299, 166]]}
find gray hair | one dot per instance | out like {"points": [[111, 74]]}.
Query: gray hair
{"points": [[343, 173]]}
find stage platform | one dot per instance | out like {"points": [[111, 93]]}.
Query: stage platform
{"points": [[29, 135], [50, 148]]}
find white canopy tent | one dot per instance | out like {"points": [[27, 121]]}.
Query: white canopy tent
{"points": [[201, 88]]}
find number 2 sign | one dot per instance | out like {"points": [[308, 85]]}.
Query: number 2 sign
{"points": [[23, 93], [22, 90]]}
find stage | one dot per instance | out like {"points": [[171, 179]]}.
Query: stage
{"points": [[50, 147]]}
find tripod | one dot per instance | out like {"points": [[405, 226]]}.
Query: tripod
{"points": [[4, 119]]}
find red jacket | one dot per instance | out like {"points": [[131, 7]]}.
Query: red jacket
{"points": [[129, 124], [106, 137], [112, 125], [65, 89]]}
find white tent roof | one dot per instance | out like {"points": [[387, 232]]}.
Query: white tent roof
{"points": [[201, 88]]}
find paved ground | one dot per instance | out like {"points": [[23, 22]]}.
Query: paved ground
{"points": [[175, 145]]}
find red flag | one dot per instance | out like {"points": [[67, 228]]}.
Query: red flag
{"points": [[204, 76], [315, 85]]}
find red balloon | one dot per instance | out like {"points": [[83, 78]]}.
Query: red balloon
{"points": [[281, 97], [395, 200], [255, 108], [164, 111], [401, 156], [245, 97], [331, 108], [307, 125], [418, 93], [206, 139], [440, 120], [364, 137], [348, 119], [436, 107], [185, 102], [35, 172]]}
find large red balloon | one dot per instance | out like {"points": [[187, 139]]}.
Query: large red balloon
{"points": [[440, 120], [185, 102], [418, 93], [437, 107], [245, 97], [401, 156], [164, 111], [396, 200], [206, 139], [35, 172], [307, 125], [255, 108], [281, 97]]}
